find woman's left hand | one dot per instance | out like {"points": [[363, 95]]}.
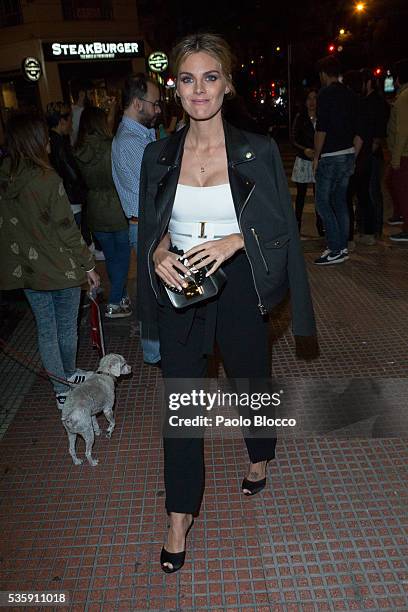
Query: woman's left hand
{"points": [[214, 252], [93, 278]]}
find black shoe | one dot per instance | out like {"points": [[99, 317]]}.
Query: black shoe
{"points": [[402, 237], [157, 364], [395, 220], [254, 486], [328, 258], [176, 559]]}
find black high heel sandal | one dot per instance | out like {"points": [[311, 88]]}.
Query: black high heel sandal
{"points": [[176, 559], [254, 486]]}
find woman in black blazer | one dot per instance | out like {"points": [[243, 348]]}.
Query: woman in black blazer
{"points": [[303, 139], [197, 180]]}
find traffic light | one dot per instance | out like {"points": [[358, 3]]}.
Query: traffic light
{"points": [[332, 48]]}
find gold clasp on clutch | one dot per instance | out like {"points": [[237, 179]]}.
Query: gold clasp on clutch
{"points": [[192, 290]]}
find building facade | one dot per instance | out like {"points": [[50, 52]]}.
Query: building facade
{"points": [[46, 46]]}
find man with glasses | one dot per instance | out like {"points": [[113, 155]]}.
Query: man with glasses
{"points": [[141, 103]]}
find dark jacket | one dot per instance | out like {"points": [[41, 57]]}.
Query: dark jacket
{"points": [[62, 160], [104, 211], [303, 132], [337, 115], [264, 212], [41, 247], [376, 112]]}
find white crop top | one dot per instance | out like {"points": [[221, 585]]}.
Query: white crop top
{"points": [[200, 214]]}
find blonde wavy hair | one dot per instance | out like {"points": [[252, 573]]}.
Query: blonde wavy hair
{"points": [[206, 42]]}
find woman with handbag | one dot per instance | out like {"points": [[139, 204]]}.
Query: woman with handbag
{"points": [[220, 196], [303, 139]]}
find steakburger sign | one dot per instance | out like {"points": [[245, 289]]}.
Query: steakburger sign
{"points": [[58, 51]]}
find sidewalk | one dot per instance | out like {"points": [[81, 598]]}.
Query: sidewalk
{"points": [[329, 532]]}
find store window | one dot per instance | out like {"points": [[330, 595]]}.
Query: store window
{"points": [[76, 10], [16, 93], [10, 13], [9, 96], [102, 81]]}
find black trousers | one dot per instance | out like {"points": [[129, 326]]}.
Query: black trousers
{"points": [[365, 216], [301, 191], [365, 204], [234, 322]]}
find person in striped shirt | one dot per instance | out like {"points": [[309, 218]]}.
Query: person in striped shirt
{"points": [[141, 101]]}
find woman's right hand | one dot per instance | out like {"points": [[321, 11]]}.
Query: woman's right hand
{"points": [[309, 153], [167, 264]]}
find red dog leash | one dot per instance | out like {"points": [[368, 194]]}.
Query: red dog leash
{"points": [[22, 360]]}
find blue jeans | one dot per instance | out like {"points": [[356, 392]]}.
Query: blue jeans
{"points": [[56, 315], [133, 232], [332, 179], [149, 341], [116, 248], [78, 218]]}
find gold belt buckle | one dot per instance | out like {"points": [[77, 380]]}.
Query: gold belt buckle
{"points": [[202, 229]]}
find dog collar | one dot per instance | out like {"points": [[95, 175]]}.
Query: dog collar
{"points": [[106, 374]]}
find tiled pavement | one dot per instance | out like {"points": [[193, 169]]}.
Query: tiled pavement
{"points": [[328, 533]]}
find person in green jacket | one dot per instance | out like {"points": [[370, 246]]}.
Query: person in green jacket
{"points": [[41, 248], [105, 215]]}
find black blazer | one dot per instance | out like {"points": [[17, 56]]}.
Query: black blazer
{"points": [[63, 161], [264, 212]]}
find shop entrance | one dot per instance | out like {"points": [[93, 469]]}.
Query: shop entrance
{"points": [[102, 79]]}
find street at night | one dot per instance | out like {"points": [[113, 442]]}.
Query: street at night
{"points": [[192, 199]]}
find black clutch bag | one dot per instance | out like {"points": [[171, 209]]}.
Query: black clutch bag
{"points": [[200, 287]]}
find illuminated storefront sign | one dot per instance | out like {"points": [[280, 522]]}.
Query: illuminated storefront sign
{"points": [[58, 51], [158, 61], [31, 69]]}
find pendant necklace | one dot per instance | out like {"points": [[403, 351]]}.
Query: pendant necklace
{"points": [[201, 164], [202, 167]]}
